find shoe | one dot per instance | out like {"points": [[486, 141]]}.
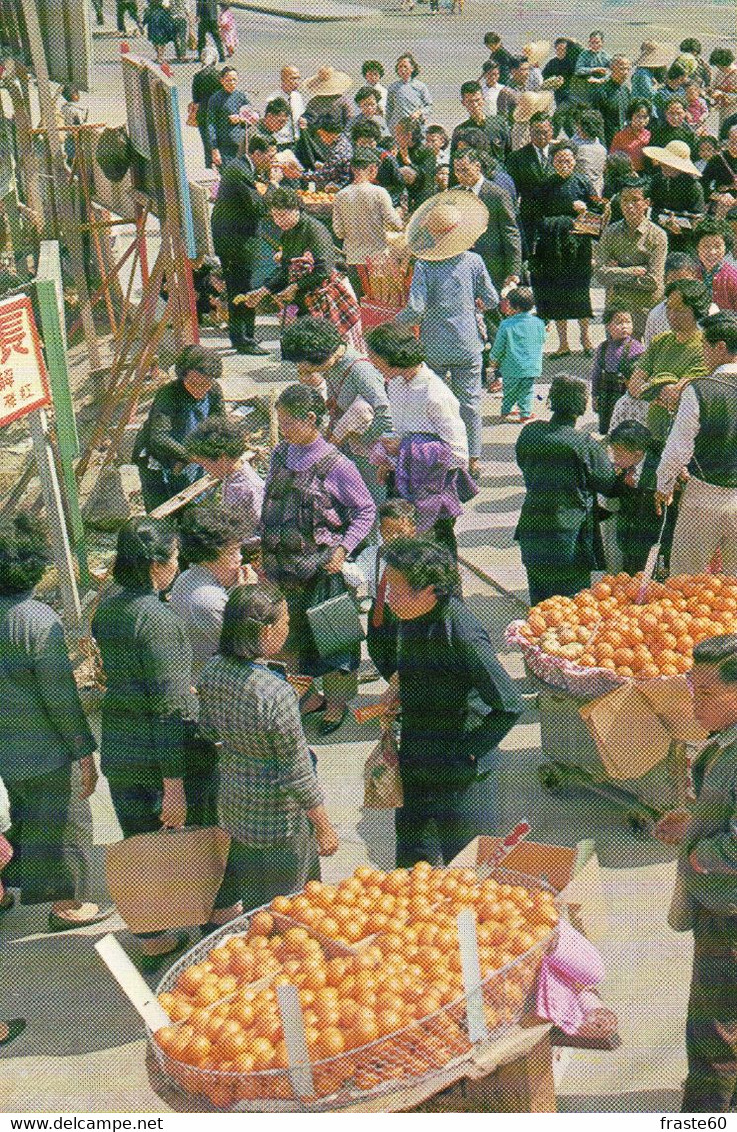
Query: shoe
{"points": [[151, 962], [561, 354], [253, 350], [14, 1027], [494, 387], [327, 726], [320, 705], [66, 915], [529, 417]]}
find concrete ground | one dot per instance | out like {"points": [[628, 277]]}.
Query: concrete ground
{"points": [[83, 1049]]}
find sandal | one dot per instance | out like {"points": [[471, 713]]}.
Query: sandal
{"points": [[66, 915]]}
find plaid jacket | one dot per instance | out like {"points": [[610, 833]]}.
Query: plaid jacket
{"points": [[266, 774]]}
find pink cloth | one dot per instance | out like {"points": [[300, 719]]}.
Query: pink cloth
{"points": [[573, 967], [724, 286], [6, 852]]}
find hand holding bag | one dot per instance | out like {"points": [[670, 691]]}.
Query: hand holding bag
{"points": [[335, 625], [382, 782]]}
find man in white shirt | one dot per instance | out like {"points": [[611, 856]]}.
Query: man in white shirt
{"points": [[362, 214], [419, 400], [703, 445], [490, 85], [290, 79]]}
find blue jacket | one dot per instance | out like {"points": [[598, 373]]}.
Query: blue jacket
{"points": [[518, 345], [442, 301]]}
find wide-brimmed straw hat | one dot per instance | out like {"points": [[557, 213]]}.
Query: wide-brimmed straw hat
{"points": [[327, 81], [653, 54], [533, 102], [536, 51], [676, 155], [446, 225]]}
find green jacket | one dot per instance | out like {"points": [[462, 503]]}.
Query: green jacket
{"points": [[147, 659], [711, 838]]}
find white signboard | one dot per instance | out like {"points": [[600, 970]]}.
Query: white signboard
{"points": [[23, 379]]}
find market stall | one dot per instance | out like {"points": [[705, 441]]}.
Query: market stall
{"points": [[611, 664]]}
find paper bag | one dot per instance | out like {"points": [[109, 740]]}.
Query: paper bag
{"points": [[382, 782], [167, 879]]}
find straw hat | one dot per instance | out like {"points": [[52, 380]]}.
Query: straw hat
{"points": [[327, 81], [536, 51], [533, 102], [675, 155], [654, 54], [446, 225]]}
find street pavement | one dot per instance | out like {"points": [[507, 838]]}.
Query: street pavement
{"points": [[84, 1046]]}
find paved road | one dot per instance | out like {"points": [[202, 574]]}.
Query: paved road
{"points": [[83, 1049]]}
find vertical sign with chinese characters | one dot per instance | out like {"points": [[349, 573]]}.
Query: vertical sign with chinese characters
{"points": [[23, 380]]}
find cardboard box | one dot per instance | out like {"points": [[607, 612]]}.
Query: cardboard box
{"points": [[573, 873]]}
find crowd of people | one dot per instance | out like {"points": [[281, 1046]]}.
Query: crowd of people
{"points": [[219, 633]]}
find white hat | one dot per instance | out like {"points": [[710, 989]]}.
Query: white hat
{"points": [[446, 225], [676, 155]]}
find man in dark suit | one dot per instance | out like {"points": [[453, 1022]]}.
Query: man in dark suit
{"points": [[207, 23], [613, 97], [238, 209], [494, 128], [531, 170]]}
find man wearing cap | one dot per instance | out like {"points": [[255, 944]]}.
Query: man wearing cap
{"points": [[630, 257], [493, 126], [703, 440], [675, 191], [450, 285], [613, 97]]}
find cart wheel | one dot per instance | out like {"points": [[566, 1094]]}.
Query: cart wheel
{"points": [[550, 777], [640, 823]]}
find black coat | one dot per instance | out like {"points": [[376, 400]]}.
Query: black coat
{"points": [[530, 177], [500, 247], [238, 209], [495, 131], [164, 431]]}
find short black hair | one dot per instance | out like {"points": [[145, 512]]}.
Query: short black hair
{"points": [[563, 144], [632, 435], [301, 400], [284, 200], [309, 339], [199, 359], [436, 129], [711, 227], [470, 87], [674, 100], [261, 143], [227, 70], [248, 610], [372, 65], [277, 106], [596, 31], [695, 295], [24, 554], [364, 157], [492, 37], [539, 117], [490, 65], [218, 436], [637, 104], [396, 345], [691, 45], [207, 529], [470, 154], [424, 563], [329, 123], [398, 508], [413, 62], [141, 542], [721, 57], [366, 130], [568, 395], [721, 651], [676, 70], [591, 124], [365, 92], [614, 308], [679, 261], [521, 298], [721, 327]]}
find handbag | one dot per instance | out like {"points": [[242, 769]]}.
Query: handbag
{"points": [[382, 782], [335, 625], [192, 110]]}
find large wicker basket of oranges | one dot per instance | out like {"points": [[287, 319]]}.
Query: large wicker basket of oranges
{"points": [[376, 964], [615, 632]]}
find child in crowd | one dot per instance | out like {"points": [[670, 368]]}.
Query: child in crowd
{"points": [[697, 109], [518, 352], [397, 519], [228, 30], [373, 73], [708, 147], [635, 455], [613, 363]]}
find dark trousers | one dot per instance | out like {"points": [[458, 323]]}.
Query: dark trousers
{"points": [[444, 532], [181, 37], [610, 390], [129, 7], [99, 14], [711, 1024], [237, 273], [547, 581], [439, 819], [207, 25], [39, 810], [257, 875]]}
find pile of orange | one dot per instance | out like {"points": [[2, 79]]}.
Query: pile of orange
{"points": [[224, 1010], [606, 626]]}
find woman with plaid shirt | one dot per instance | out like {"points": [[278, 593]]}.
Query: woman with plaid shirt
{"points": [[270, 801]]}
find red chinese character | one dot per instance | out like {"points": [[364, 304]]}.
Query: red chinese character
{"points": [[12, 334], [9, 400], [25, 392], [6, 379]]}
